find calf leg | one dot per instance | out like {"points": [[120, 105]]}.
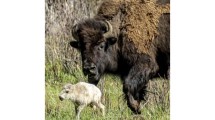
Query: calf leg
{"points": [[102, 107], [78, 110]]}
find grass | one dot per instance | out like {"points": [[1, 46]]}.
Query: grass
{"points": [[156, 106]]}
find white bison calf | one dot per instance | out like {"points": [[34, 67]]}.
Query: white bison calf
{"points": [[82, 94]]}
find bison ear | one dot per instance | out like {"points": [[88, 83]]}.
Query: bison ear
{"points": [[75, 44], [111, 40]]}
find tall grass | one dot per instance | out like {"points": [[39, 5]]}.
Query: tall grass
{"points": [[156, 106]]}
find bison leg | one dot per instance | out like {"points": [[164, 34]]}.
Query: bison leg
{"points": [[134, 86]]}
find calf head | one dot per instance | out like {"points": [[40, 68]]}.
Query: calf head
{"points": [[64, 94], [93, 39]]}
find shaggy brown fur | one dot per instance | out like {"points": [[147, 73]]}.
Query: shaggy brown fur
{"points": [[139, 19], [112, 8]]}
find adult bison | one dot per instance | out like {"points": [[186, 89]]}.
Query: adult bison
{"points": [[127, 38]]}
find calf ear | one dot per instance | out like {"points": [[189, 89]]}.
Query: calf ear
{"points": [[67, 86], [111, 40], [75, 44]]}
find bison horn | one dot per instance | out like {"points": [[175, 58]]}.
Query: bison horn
{"points": [[74, 32], [109, 29]]}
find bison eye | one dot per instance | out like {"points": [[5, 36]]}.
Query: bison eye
{"points": [[101, 47]]}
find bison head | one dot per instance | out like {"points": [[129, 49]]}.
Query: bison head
{"points": [[93, 39]]}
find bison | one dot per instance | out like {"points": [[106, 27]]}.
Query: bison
{"points": [[129, 38]]}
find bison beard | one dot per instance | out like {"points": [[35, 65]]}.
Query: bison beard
{"points": [[111, 47]]}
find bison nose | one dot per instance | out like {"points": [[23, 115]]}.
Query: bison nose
{"points": [[89, 69]]}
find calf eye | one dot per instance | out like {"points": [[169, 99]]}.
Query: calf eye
{"points": [[67, 91]]}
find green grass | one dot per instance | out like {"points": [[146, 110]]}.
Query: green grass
{"points": [[156, 106]]}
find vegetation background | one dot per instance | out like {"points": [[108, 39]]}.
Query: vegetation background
{"points": [[63, 66]]}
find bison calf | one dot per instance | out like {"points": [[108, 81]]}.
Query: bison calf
{"points": [[82, 94]]}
